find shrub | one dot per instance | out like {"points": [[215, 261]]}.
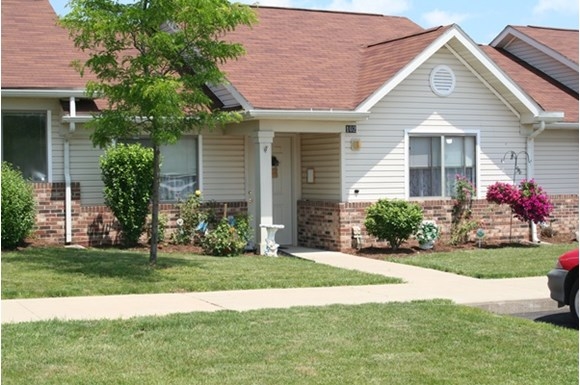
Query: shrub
{"points": [[229, 238], [190, 216], [528, 202], [18, 207], [161, 226], [461, 221], [127, 171], [393, 220]]}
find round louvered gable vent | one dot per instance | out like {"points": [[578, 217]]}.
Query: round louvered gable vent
{"points": [[442, 80]]}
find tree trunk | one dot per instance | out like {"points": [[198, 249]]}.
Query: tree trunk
{"points": [[155, 206]]}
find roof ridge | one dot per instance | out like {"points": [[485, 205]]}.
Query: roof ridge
{"points": [[544, 27], [327, 11], [424, 32]]}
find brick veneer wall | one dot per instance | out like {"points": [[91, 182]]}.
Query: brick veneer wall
{"points": [[328, 225], [94, 225]]}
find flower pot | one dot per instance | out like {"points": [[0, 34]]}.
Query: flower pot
{"points": [[426, 245]]}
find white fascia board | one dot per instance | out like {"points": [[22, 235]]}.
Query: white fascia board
{"points": [[43, 93], [328, 115], [511, 33]]}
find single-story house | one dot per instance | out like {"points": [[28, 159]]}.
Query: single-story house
{"points": [[340, 109]]}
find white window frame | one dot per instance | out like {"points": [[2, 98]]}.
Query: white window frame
{"points": [[48, 134], [430, 132], [198, 156]]}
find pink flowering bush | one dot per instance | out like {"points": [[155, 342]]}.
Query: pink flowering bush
{"points": [[461, 222], [528, 202]]}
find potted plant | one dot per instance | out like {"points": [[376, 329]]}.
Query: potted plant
{"points": [[426, 234]]}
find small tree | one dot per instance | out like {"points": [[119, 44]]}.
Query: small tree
{"points": [[127, 172], [528, 202], [153, 60], [18, 207], [393, 220]]}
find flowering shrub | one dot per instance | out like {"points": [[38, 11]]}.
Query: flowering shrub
{"points": [[529, 202], [461, 222], [229, 238], [191, 215], [502, 193]]}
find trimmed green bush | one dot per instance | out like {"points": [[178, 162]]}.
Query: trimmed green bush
{"points": [[18, 207], [393, 220], [127, 171]]}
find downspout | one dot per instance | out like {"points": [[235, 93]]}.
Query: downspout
{"points": [[67, 178], [530, 147]]}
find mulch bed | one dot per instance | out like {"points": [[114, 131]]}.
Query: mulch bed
{"points": [[410, 248]]}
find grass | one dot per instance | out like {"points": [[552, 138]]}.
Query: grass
{"points": [[505, 262], [418, 343], [58, 272]]}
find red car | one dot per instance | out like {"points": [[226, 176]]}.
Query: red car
{"points": [[563, 281]]}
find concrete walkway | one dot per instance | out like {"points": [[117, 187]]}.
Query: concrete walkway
{"points": [[500, 295]]}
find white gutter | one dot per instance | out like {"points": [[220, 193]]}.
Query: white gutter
{"points": [[43, 93], [329, 115], [76, 119], [562, 126], [67, 178], [530, 147]]}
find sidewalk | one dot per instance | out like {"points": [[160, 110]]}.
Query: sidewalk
{"points": [[500, 295]]}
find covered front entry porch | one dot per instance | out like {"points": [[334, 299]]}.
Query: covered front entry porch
{"points": [[288, 165]]}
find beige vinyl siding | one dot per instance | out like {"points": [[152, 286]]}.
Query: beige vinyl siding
{"points": [[556, 167], [56, 152], [377, 170], [321, 152], [223, 168], [84, 167], [544, 63]]}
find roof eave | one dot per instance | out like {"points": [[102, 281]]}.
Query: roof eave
{"points": [[510, 33], [326, 115], [43, 93]]}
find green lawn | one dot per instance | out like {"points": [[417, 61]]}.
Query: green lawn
{"points": [[59, 272], [507, 262], [417, 343]]}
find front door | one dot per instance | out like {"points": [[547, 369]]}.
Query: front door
{"points": [[282, 188]]}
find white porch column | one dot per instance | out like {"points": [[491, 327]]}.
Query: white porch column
{"points": [[264, 203]]}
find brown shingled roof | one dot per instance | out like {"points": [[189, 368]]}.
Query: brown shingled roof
{"points": [[382, 61], [303, 59], [36, 53], [549, 94], [564, 41]]}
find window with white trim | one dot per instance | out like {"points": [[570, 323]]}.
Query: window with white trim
{"points": [[435, 161], [179, 168], [25, 143]]}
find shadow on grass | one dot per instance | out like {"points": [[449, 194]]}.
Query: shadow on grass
{"points": [[128, 265]]}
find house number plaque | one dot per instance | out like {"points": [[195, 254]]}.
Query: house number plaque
{"points": [[351, 128]]}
